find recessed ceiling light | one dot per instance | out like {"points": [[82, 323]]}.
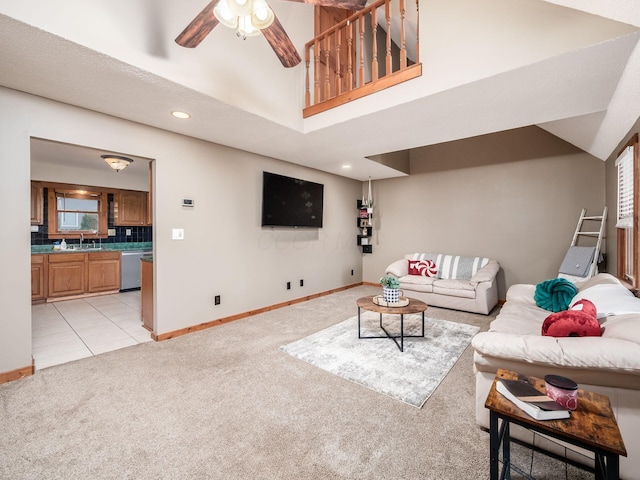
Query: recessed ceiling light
{"points": [[346, 167], [179, 114]]}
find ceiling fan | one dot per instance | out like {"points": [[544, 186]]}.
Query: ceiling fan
{"points": [[250, 17]]}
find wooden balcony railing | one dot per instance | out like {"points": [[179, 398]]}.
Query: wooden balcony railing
{"points": [[373, 49]]}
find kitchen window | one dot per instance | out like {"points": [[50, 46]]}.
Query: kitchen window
{"points": [[75, 212]]}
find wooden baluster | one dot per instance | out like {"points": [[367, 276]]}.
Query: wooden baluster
{"points": [[316, 73], [307, 94], [361, 72], [417, 59], [327, 80], [403, 47], [340, 77], [338, 63], [387, 14], [349, 56], [374, 60]]}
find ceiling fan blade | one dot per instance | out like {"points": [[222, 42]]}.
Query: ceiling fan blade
{"points": [[199, 27], [346, 4], [281, 44]]}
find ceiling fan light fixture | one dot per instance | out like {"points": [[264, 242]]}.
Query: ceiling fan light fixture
{"points": [[247, 16], [240, 7], [117, 162], [225, 15], [261, 15], [246, 27]]}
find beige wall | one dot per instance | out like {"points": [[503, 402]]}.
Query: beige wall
{"points": [[612, 198], [225, 250], [513, 196]]}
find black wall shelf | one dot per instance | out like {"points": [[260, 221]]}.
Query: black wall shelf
{"points": [[364, 222]]}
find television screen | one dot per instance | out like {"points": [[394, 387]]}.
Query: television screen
{"points": [[291, 202]]}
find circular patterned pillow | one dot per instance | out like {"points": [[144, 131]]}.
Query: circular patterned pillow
{"points": [[425, 268]]}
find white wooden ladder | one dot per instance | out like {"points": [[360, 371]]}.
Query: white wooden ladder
{"points": [[598, 234]]}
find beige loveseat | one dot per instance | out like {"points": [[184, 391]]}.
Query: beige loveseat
{"points": [[458, 282], [609, 364]]}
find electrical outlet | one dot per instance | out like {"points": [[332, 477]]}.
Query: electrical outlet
{"points": [[111, 232], [301, 283], [216, 300], [128, 232], [288, 285]]}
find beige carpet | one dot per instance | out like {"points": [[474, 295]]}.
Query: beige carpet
{"points": [[225, 403]]}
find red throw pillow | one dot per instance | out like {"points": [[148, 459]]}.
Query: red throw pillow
{"points": [[424, 268], [579, 321]]}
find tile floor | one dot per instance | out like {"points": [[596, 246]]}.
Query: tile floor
{"points": [[73, 329]]}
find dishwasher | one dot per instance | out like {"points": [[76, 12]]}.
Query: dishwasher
{"points": [[130, 268]]}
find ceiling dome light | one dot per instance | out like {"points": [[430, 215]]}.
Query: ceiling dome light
{"points": [[117, 162], [179, 114]]}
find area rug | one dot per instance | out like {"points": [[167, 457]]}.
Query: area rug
{"points": [[410, 376]]}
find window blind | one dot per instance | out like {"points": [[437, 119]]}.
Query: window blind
{"points": [[624, 163]]}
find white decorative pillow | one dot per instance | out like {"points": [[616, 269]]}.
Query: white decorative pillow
{"points": [[609, 299]]}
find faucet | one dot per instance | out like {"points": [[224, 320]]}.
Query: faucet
{"points": [[81, 238]]}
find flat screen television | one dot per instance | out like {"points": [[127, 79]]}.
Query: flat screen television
{"points": [[291, 202]]}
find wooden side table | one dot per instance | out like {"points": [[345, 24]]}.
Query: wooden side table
{"points": [[592, 426]]}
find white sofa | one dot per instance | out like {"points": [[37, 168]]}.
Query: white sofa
{"points": [[609, 364], [460, 283]]}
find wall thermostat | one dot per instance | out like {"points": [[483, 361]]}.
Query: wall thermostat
{"points": [[187, 202]]}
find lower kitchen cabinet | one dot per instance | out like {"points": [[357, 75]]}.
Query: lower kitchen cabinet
{"points": [[73, 274], [103, 272], [38, 277], [66, 274], [146, 293]]}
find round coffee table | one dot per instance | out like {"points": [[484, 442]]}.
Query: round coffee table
{"points": [[414, 306]]}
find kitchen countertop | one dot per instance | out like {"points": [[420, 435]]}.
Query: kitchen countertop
{"points": [[105, 247], [147, 258]]}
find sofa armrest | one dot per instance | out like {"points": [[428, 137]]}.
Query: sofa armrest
{"points": [[594, 353], [522, 292], [486, 273], [399, 268]]}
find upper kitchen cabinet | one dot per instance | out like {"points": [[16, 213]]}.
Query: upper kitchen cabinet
{"points": [[37, 203], [130, 208]]}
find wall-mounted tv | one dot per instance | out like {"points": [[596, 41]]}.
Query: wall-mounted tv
{"points": [[291, 202]]}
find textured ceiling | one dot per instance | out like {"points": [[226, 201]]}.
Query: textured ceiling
{"points": [[489, 65]]}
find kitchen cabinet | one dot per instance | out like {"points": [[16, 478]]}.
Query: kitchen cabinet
{"points": [[130, 208], [103, 271], [66, 274], [146, 292], [38, 277], [76, 274], [37, 203]]}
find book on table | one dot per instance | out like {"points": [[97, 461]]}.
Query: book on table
{"points": [[528, 398]]}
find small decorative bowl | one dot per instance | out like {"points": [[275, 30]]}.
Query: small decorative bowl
{"points": [[562, 390]]}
